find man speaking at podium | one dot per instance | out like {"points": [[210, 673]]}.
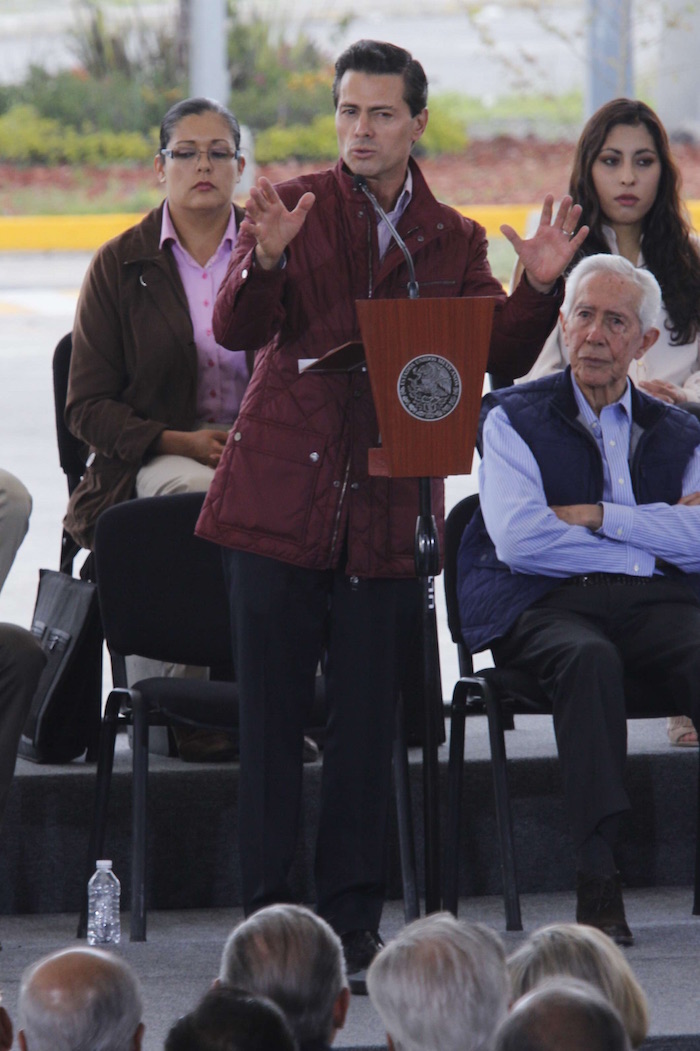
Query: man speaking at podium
{"points": [[319, 555]]}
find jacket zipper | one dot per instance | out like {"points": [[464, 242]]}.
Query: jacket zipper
{"points": [[344, 485]]}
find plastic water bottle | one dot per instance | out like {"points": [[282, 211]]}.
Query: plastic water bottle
{"points": [[104, 927]]}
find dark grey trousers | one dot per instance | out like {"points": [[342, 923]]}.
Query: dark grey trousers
{"points": [[585, 645]]}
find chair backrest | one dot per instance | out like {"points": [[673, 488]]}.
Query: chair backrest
{"points": [[455, 524], [162, 590], [72, 453], [497, 382]]}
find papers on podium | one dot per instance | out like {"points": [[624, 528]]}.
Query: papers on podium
{"points": [[348, 357]]}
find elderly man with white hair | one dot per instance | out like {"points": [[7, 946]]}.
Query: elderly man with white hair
{"points": [[294, 958], [80, 1000], [583, 566], [441, 984]]}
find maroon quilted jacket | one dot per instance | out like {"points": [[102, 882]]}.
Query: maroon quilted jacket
{"points": [[292, 483]]}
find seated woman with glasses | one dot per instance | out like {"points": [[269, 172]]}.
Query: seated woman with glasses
{"points": [[150, 391]]}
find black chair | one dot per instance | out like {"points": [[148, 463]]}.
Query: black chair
{"points": [[72, 453], [163, 596], [500, 693]]}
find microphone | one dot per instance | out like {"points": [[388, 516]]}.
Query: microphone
{"points": [[360, 183]]}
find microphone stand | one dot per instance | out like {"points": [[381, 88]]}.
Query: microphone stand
{"points": [[427, 564], [360, 183]]}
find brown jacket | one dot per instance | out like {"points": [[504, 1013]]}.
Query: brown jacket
{"points": [[133, 367], [293, 483]]}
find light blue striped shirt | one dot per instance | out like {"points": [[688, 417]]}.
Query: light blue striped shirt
{"points": [[530, 538], [402, 203]]}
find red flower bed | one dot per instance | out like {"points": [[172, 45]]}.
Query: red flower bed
{"points": [[497, 171]]}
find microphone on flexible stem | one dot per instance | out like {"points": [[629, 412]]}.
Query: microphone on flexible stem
{"points": [[360, 183]]}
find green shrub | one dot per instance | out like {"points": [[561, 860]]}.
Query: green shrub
{"points": [[314, 141], [28, 138], [273, 81], [446, 132], [297, 102], [113, 103]]}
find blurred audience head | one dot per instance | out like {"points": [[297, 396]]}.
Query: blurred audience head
{"points": [[562, 1014], [229, 1019], [290, 955], [440, 985], [80, 1000], [576, 951]]}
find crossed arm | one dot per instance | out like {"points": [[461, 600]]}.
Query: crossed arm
{"points": [[590, 516], [532, 537]]}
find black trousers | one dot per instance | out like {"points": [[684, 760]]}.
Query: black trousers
{"points": [[592, 649], [284, 619]]}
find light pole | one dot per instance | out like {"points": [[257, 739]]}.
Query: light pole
{"points": [[207, 52], [609, 73]]}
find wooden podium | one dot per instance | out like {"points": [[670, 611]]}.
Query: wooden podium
{"points": [[426, 360]]}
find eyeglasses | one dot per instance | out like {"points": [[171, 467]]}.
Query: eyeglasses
{"points": [[190, 155]]}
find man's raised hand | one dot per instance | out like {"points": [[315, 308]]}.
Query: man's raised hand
{"points": [[271, 222], [546, 255]]}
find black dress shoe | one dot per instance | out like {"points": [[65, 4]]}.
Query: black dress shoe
{"points": [[359, 949], [599, 904]]}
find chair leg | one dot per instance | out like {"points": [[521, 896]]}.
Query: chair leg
{"points": [[504, 818], [103, 780], [696, 895], [138, 819], [455, 769], [404, 816], [93, 744]]}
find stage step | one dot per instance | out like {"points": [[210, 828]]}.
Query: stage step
{"points": [[192, 822]]}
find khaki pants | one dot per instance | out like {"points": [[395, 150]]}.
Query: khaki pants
{"points": [[15, 508]]}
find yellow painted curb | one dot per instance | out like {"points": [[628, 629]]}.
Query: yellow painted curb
{"points": [[493, 216], [85, 233], [60, 233]]}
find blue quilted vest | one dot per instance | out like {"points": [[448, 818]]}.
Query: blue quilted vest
{"points": [[545, 414]]}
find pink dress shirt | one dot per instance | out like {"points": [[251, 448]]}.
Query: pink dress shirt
{"points": [[222, 375]]}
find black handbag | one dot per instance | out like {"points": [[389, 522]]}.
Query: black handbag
{"points": [[64, 718]]}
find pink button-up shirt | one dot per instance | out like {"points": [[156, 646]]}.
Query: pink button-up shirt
{"points": [[222, 375]]}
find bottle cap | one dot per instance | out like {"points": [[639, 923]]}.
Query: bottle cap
{"points": [[104, 865]]}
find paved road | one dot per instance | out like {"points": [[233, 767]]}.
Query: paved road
{"points": [[37, 303]]}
